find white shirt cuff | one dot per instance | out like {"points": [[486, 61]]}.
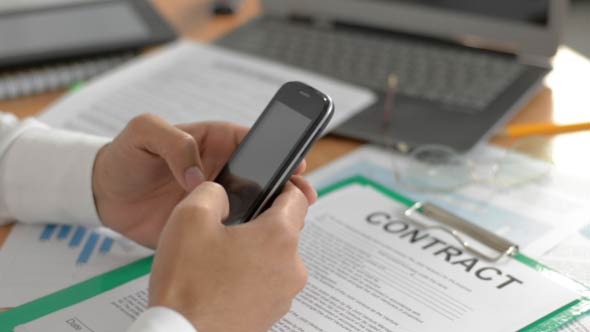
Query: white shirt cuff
{"points": [[160, 319], [47, 176]]}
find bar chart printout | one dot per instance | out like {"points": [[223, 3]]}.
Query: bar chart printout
{"points": [[63, 254], [79, 238]]}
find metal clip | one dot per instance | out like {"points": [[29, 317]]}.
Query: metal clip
{"points": [[456, 226]]}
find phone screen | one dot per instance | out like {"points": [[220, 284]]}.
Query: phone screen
{"points": [[260, 156]]}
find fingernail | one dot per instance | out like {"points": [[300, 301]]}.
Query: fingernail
{"points": [[193, 177]]}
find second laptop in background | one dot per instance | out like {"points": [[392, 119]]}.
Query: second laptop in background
{"points": [[50, 45], [464, 67]]}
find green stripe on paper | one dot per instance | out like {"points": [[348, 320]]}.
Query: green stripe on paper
{"points": [[557, 319], [75, 294], [366, 182]]}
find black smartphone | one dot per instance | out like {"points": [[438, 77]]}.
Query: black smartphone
{"points": [[271, 151]]}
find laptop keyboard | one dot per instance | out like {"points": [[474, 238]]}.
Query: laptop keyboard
{"points": [[467, 80]]}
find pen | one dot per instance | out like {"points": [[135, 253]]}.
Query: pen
{"points": [[392, 84], [543, 129]]}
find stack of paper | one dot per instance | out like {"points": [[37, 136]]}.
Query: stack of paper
{"points": [[191, 82], [369, 271]]}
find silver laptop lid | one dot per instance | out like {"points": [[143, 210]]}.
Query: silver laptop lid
{"points": [[530, 29]]}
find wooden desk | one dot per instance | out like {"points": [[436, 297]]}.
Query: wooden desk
{"points": [[565, 97]]}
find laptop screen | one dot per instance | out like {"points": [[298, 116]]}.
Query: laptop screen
{"points": [[525, 11]]}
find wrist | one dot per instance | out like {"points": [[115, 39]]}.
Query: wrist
{"points": [[162, 319], [98, 182]]}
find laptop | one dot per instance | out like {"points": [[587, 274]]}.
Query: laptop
{"points": [[463, 67]]}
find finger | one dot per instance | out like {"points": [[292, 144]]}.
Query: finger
{"points": [[306, 188], [203, 131], [290, 207], [178, 148], [208, 131], [207, 202], [301, 168], [217, 141]]}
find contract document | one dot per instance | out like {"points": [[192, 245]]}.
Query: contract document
{"points": [[370, 270], [192, 82]]}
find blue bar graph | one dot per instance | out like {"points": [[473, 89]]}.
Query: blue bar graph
{"points": [[78, 236], [48, 232], [64, 231], [88, 248], [107, 244]]}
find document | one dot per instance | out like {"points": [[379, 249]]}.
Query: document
{"points": [[114, 310], [192, 82], [536, 216], [581, 325], [572, 256], [369, 271], [38, 260]]}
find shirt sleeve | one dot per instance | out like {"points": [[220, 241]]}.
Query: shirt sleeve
{"points": [[160, 319], [46, 174]]}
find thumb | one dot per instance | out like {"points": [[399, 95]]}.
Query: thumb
{"points": [[179, 149], [207, 202]]}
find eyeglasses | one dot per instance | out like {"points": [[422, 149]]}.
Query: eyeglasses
{"points": [[439, 168]]}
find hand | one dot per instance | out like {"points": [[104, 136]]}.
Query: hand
{"points": [[230, 279], [140, 177]]}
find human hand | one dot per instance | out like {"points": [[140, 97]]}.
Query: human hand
{"points": [[230, 279], [140, 177]]}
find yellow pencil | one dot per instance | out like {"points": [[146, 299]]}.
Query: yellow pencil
{"points": [[543, 129]]}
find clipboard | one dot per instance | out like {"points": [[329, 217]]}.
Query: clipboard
{"points": [[452, 225]]}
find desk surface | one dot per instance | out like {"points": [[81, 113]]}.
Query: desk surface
{"points": [[563, 99]]}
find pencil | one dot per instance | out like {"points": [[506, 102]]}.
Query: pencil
{"points": [[543, 129]]}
